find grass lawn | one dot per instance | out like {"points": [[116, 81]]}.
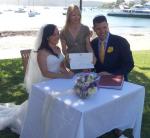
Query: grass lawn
{"points": [[12, 88]]}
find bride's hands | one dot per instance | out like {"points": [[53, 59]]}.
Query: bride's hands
{"points": [[68, 75]]}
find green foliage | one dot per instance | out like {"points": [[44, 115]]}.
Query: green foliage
{"points": [[12, 88], [107, 5], [11, 81], [131, 3], [144, 1], [118, 2], [8, 134], [141, 75], [104, 5]]}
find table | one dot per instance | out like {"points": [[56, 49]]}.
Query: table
{"points": [[54, 111]]}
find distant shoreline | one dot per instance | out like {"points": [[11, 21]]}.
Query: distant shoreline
{"points": [[11, 42], [16, 33], [34, 32]]}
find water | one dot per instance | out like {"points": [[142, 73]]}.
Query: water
{"points": [[21, 21], [135, 30]]}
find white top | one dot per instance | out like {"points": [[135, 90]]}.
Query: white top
{"points": [[53, 63]]}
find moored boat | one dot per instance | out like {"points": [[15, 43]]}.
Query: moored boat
{"points": [[140, 11], [33, 13], [20, 10]]}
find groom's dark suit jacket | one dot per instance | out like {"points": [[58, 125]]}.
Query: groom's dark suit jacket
{"points": [[118, 56]]}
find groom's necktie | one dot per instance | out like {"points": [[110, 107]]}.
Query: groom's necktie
{"points": [[102, 51]]}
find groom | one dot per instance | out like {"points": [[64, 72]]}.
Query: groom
{"points": [[112, 52]]}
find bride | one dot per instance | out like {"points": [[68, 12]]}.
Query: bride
{"points": [[45, 62]]}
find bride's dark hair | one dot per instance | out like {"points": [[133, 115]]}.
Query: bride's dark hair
{"points": [[48, 31]]}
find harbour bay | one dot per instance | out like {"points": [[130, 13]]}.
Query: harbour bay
{"points": [[136, 30]]}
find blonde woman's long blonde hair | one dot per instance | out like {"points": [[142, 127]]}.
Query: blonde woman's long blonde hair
{"points": [[70, 9]]}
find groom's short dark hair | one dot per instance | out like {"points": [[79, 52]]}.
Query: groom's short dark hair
{"points": [[99, 19]]}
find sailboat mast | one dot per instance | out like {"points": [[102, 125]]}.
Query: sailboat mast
{"points": [[33, 5], [65, 4], [18, 2]]}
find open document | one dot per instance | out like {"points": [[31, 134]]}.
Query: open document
{"points": [[81, 60]]}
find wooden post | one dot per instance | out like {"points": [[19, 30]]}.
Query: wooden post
{"points": [[81, 5]]}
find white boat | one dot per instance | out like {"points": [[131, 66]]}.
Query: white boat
{"points": [[20, 10], [140, 11], [33, 13]]}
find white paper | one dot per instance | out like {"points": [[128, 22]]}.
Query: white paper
{"points": [[81, 60]]}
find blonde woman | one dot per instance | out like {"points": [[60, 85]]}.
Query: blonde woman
{"points": [[75, 37]]}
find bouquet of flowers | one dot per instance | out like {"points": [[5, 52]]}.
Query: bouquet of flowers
{"points": [[85, 85]]}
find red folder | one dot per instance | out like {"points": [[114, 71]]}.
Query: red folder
{"points": [[111, 81]]}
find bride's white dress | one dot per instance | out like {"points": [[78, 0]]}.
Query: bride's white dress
{"points": [[13, 116]]}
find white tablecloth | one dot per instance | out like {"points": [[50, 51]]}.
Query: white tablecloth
{"points": [[56, 112]]}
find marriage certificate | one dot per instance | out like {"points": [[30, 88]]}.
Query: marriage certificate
{"points": [[81, 60]]}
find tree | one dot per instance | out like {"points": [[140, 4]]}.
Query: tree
{"points": [[144, 1], [118, 2]]}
